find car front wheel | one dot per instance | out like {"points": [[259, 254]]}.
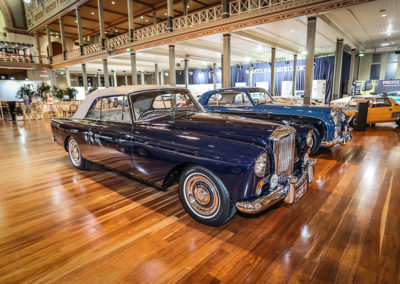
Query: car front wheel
{"points": [[75, 155], [316, 141], [398, 121], [205, 197]]}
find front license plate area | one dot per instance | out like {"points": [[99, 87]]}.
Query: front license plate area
{"points": [[300, 190]]}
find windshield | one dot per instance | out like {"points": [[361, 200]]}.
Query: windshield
{"points": [[260, 97], [161, 102]]}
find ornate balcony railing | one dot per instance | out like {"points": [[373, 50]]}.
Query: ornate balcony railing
{"points": [[117, 41], [212, 14], [74, 53], [58, 58], [16, 58]]}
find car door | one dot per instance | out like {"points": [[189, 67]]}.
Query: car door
{"points": [[380, 111], [110, 136]]}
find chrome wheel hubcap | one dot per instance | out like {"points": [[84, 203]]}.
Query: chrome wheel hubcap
{"points": [[201, 195], [74, 152]]}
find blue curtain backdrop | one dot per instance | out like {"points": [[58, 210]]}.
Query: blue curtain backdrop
{"points": [[323, 70]]}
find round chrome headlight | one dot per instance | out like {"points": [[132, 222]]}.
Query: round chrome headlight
{"points": [[274, 181], [309, 140], [260, 165]]}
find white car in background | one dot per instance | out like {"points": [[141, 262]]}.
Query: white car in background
{"points": [[340, 102]]}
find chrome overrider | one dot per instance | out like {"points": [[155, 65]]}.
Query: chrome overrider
{"points": [[340, 137], [286, 193]]}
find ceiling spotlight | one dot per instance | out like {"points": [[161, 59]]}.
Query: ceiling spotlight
{"points": [[76, 21], [292, 31], [147, 20], [92, 13], [113, 2], [27, 1], [383, 15], [165, 14], [247, 59], [304, 52], [385, 44], [142, 17], [116, 31], [187, 6]]}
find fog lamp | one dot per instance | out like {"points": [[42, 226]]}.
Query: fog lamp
{"points": [[309, 140], [274, 181], [259, 187]]}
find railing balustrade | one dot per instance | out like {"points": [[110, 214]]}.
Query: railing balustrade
{"points": [[204, 16]]}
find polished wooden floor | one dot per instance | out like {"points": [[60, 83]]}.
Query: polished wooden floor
{"points": [[59, 224]]}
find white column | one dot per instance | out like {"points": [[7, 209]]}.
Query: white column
{"points": [[84, 78], [226, 71], [172, 75], [250, 75], [215, 75], [98, 78], [309, 69], [126, 78], [68, 77], [101, 23], [50, 47], [352, 69], [133, 68], [162, 77], [156, 77], [186, 65], [115, 78], [79, 24], [131, 23], [337, 74], [142, 82], [273, 56], [106, 78], [294, 74], [63, 40]]}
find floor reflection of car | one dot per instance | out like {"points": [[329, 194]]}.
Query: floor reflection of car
{"points": [[381, 109], [162, 135]]}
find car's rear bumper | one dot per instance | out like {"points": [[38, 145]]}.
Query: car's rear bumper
{"points": [[286, 193]]}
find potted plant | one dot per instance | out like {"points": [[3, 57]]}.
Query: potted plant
{"points": [[70, 93], [58, 93], [43, 91], [26, 91]]}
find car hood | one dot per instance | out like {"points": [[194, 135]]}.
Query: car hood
{"points": [[216, 125]]}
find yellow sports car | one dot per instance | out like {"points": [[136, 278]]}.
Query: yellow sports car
{"points": [[381, 109]]}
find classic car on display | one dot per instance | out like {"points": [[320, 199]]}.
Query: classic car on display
{"points": [[380, 109], [330, 125], [161, 135]]}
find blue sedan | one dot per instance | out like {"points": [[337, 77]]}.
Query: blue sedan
{"points": [[330, 124]]}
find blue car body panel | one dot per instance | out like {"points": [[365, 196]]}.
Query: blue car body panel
{"points": [[310, 115]]}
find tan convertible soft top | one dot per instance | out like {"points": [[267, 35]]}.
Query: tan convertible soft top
{"points": [[117, 91]]}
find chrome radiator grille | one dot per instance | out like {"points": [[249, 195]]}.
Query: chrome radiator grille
{"points": [[283, 147]]}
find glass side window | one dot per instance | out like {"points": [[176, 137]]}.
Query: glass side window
{"points": [[354, 102], [95, 111], [154, 104], [229, 99], [381, 102], [260, 98]]}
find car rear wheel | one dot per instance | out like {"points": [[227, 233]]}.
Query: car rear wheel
{"points": [[75, 155], [205, 197], [353, 122]]}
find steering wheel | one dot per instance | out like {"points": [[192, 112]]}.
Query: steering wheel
{"points": [[145, 113]]}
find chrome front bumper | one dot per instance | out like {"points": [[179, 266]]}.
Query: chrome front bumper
{"points": [[346, 136], [286, 193]]}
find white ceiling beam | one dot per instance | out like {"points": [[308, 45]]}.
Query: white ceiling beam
{"points": [[334, 26], [257, 37]]}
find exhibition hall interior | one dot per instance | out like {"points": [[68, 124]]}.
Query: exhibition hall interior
{"points": [[199, 141]]}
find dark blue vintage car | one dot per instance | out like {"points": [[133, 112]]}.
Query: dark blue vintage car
{"points": [[161, 135], [330, 125]]}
